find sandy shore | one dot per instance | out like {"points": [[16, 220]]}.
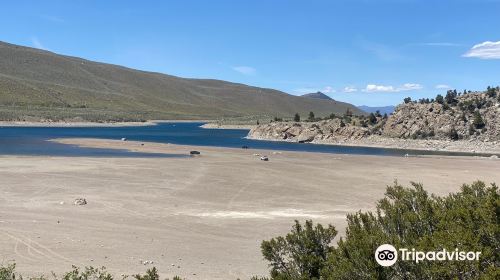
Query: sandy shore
{"points": [[201, 217], [212, 125]]}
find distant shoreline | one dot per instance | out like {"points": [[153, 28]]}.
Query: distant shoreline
{"points": [[479, 149], [212, 125], [91, 124]]}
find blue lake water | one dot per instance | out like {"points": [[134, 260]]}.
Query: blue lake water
{"points": [[33, 141]]}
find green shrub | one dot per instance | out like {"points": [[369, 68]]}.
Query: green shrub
{"points": [[89, 273], [301, 253], [7, 273], [151, 274], [405, 218]]}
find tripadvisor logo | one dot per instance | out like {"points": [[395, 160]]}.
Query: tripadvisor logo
{"points": [[387, 255]]}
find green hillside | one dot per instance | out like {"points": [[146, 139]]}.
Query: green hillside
{"points": [[37, 84]]}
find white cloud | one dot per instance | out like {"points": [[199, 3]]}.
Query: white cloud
{"points": [[442, 86], [389, 88], [245, 70], [378, 88], [37, 44], [327, 89], [409, 86], [350, 89], [485, 50]]}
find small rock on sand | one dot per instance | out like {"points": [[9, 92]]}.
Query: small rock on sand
{"points": [[80, 201]]}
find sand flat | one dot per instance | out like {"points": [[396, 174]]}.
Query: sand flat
{"points": [[204, 215]]}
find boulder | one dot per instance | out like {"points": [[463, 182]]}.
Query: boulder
{"points": [[80, 201]]}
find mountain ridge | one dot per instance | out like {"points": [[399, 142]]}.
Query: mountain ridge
{"points": [[382, 109], [38, 84], [317, 95]]}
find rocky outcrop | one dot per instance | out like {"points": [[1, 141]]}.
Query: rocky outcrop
{"points": [[459, 119], [472, 116], [327, 130]]}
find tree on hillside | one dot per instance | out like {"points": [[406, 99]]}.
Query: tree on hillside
{"points": [[296, 118], [407, 100], [342, 123], [451, 96], [439, 99], [372, 118], [405, 218], [491, 92], [311, 116], [478, 121], [453, 134]]}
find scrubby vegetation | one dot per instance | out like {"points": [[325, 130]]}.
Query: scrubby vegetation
{"points": [[89, 273], [371, 120], [405, 218]]}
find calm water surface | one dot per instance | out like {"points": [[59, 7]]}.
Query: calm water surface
{"points": [[33, 141]]}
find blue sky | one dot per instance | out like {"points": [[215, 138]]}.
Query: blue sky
{"points": [[373, 52]]}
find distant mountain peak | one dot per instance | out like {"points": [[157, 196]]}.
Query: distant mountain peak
{"points": [[317, 95], [382, 109]]}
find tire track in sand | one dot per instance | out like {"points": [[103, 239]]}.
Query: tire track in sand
{"points": [[33, 247]]}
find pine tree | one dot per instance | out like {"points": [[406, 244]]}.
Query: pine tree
{"points": [[296, 118], [311, 116], [478, 121]]}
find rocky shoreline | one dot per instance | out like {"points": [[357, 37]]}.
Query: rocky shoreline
{"points": [[467, 122], [346, 137]]}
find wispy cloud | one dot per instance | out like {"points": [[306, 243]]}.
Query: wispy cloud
{"points": [[327, 89], [485, 50], [245, 70], [350, 89], [390, 88], [438, 44], [381, 51], [52, 18], [410, 86], [442, 86], [37, 44]]}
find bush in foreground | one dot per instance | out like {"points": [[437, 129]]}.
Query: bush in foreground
{"points": [[406, 218], [89, 273]]}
